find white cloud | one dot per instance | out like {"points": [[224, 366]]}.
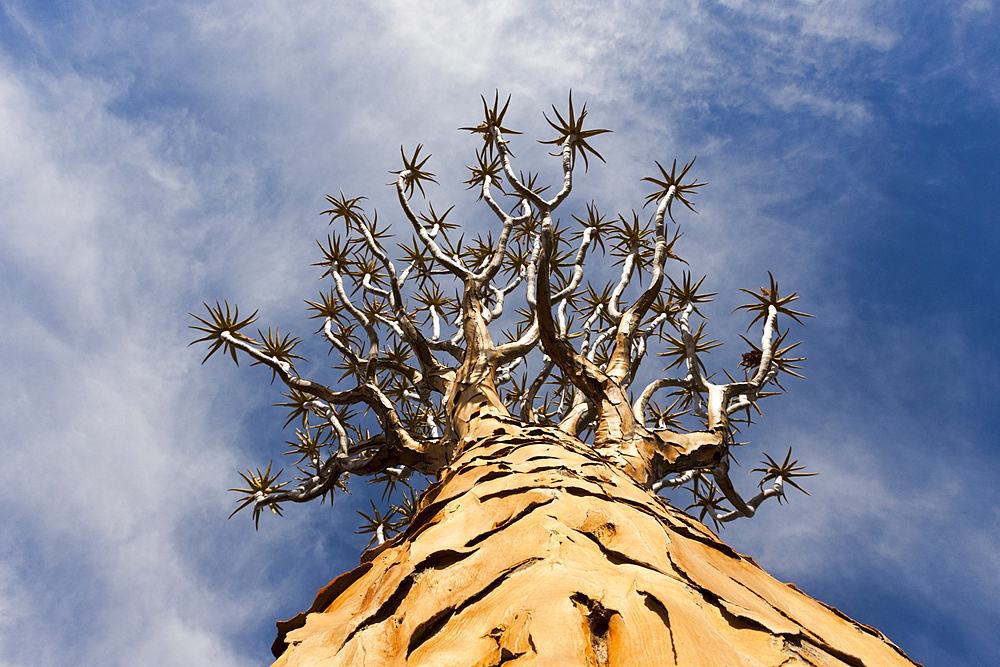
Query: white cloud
{"points": [[97, 460], [853, 21], [788, 97]]}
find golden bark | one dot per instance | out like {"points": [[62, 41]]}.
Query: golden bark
{"points": [[534, 549]]}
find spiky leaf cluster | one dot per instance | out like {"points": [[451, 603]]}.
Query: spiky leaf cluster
{"points": [[673, 183], [259, 485], [413, 172], [217, 324], [787, 471], [768, 297], [571, 128], [492, 123]]}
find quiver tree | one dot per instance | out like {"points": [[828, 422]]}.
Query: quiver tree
{"points": [[492, 369]]}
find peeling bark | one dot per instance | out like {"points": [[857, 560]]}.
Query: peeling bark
{"points": [[534, 549]]}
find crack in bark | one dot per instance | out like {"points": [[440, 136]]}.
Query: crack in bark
{"points": [[653, 604], [492, 458], [739, 621], [562, 470], [642, 507], [424, 519], [685, 577], [528, 509], [504, 635], [617, 557], [387, 609], [797, 642], [540, 457], [598, 625], [698, 537], [431, 626], [494, 474], [438, 560], [506, 656], [506, 493], [323, 599]]}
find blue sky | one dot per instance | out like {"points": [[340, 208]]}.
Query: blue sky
{"points": [[157, 155]]}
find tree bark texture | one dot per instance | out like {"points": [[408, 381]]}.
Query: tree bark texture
{"points": [[532, 549]]}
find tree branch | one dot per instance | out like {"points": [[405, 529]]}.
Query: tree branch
{"points": [[456, 268]]}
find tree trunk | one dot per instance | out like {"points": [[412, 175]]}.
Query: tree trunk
{"points": [[532, 549]]}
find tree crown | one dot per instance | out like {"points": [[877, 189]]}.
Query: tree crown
{"points": [[413, 339]]}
